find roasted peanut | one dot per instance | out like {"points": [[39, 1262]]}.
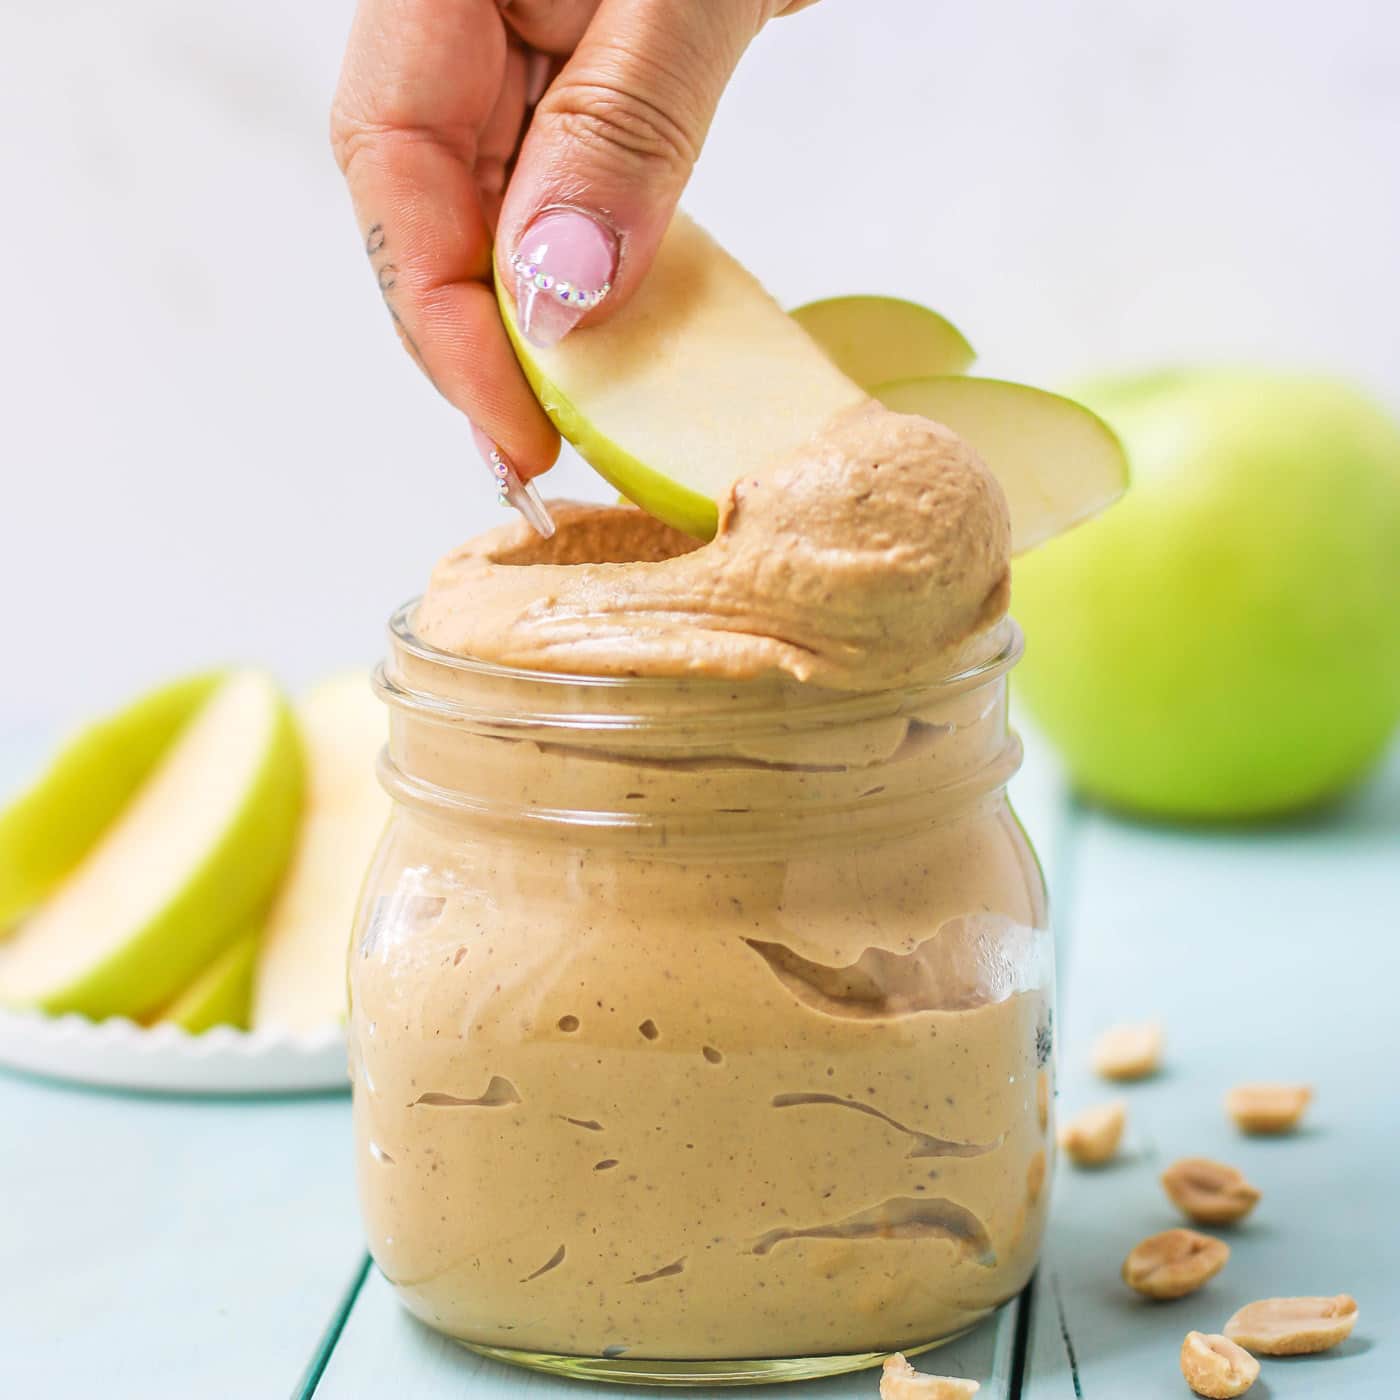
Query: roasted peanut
{"points": [[1174, 1263], [1267, 1108], [1129, 1052], [900, 1381], [1207, 1192], [1215, 1367], [1092, 1136], [1292, 1326]]}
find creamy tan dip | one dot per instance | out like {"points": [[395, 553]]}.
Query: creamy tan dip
{"points": [[621, 1092]]}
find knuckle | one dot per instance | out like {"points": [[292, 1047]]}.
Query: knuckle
{"points": [[348, 134], [356, 128], [617, 123], [354, 138]]}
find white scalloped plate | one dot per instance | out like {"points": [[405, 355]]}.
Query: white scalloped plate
{"points": [[119, 1054]]}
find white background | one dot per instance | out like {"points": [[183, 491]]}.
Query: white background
{"points": [[212, 447]]}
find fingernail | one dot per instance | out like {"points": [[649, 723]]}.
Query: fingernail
{"points": [[510, 490], [564, 267]]}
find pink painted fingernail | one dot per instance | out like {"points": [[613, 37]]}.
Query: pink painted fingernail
{"points": [[563, 267], [510, 490]]}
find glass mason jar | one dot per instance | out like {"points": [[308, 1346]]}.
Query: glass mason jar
{"points": [[700, 1030]]}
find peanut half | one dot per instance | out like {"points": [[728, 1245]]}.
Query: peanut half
{"points": [[1215, 1367], [900, 1381], [1209, 1193], [1174, 1263], [1129, 1052], [1092, 1136], [1293, 1326], [1267, 1108]]}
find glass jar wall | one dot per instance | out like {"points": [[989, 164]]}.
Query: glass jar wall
{"points": [[700, 1030]]}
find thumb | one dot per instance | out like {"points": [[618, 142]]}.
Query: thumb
{"points": [[608, 152]]}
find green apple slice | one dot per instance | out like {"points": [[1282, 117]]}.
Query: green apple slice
{"points": [[701, 378], [221, 994], [300, 979], [1057, 462], [874, 340], [180, 873], [47, 830]]}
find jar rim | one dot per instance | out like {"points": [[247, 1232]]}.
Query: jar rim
{"points": [[817, 703]]}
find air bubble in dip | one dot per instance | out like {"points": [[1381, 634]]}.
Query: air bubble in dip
{"points": [[648, 1029], [568, 1023]]}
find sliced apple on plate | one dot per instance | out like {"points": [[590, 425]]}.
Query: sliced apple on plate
{"points": [[300, 979], [701, 378], [873, 340], [1058, 462], [181, 872], [221, 994], [47, 830]]}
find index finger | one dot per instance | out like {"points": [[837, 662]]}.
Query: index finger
{"points": [[420, 81]]}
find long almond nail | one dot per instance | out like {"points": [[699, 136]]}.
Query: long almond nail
{"points": [[510, 490], [563, 267]]}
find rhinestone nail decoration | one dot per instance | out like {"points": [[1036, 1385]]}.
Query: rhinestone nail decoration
{"points": [[564, 292], [502, 475]]}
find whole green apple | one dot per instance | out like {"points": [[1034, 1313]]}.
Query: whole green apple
{"points": [[1225, 641]]}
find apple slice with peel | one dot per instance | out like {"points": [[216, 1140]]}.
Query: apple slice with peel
{"points": [[874, 340], [47, 829], [181, 872], [1057, 462], [701, 378], [221, 994], [300, 979]]}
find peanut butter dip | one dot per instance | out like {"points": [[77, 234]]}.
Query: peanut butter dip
{"points": [[859, 565], [707, 1016]]}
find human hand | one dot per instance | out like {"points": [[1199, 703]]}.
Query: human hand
{"points": [[566, 127]]}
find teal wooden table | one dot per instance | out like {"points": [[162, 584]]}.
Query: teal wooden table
{"points": [[157, 1247]]}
